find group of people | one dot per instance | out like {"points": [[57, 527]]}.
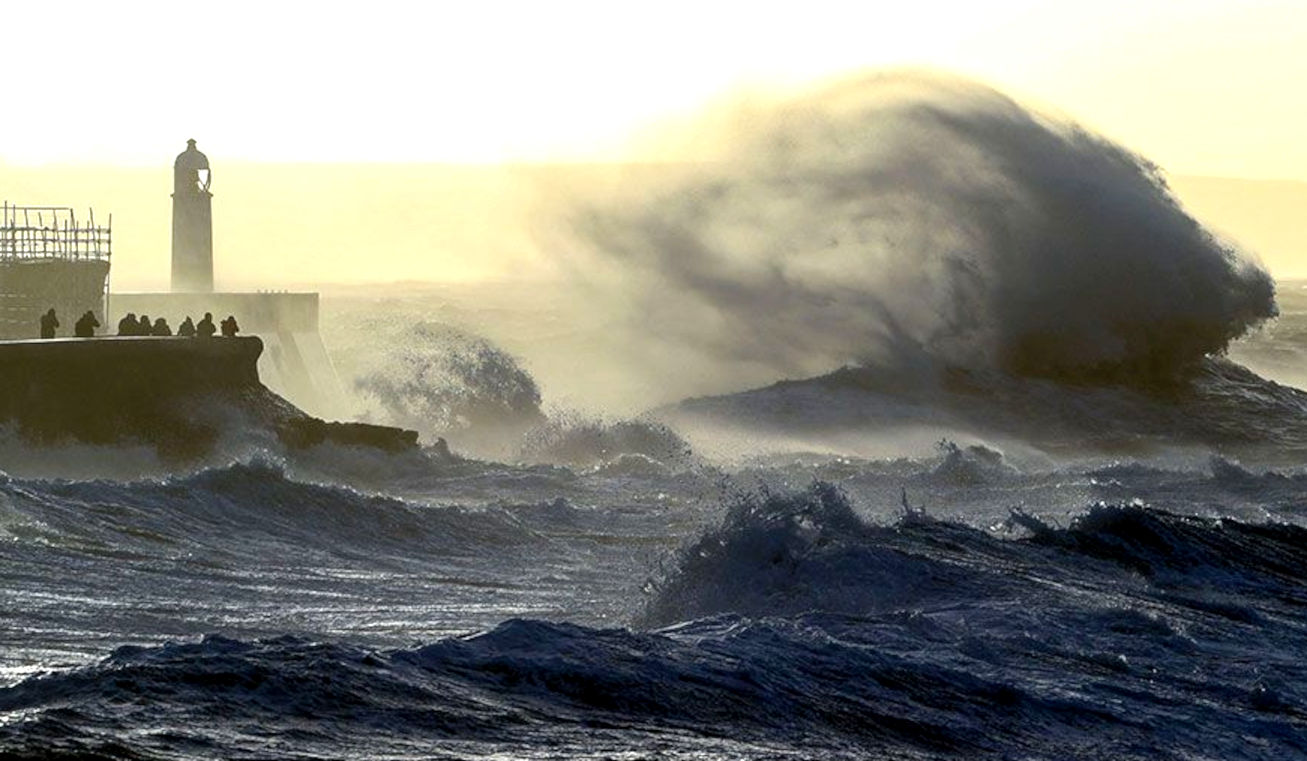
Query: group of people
{"points": [[131, 325], [83, 328]]}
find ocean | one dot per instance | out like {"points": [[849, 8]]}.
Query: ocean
{"points": [[629, 601]]}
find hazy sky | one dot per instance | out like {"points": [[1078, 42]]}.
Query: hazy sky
{"points": [[1203, 87], [100, 96]]}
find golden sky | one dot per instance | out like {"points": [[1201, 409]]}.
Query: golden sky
{"points": [[101, 96], [1203, 87]]}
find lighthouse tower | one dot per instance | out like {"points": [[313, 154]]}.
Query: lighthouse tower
{"points": [[294, 363], [192, 223]]}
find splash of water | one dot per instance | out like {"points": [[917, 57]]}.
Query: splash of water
{"points": [[449, 383], [572, 440], [918, 220]]}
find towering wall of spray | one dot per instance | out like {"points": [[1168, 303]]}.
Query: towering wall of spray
{"points": [[911, 219]]}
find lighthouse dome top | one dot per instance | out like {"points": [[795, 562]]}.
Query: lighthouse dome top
{"points": [[191, 158]]}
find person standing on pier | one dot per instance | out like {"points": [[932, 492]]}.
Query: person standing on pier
{"points": [[49, 324], [86, 325]]}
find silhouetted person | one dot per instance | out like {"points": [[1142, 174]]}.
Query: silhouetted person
{"points": [[160, 328], [143, 326], [229, 327], [49, 324], [86, 325], [187, 328], [127, 325], [205, 328]]}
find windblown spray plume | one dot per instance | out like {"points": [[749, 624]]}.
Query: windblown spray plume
{"points": [[912, 220]]}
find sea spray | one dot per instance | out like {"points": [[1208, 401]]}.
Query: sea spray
{"points": [[918, 219], [450, 383], [575, 440]]}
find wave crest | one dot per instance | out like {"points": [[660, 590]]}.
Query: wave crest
{"points": [[786, 553], [909, 218]]}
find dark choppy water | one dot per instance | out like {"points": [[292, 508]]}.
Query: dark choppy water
{"points": [[784, 606], [783, 610]]}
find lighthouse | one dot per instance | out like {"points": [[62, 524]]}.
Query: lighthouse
{"points": [[295, 363], [192, 223]]}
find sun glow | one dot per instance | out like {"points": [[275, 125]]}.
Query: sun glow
{"points": [[501, 81]]}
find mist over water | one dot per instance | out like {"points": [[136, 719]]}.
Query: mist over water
{"points": [[911, 219]]}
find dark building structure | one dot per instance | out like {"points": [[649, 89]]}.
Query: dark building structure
{"points": [[49, 259], [192, 223]]}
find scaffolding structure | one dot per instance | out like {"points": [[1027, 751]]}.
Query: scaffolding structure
{"points": [[49, 259]]}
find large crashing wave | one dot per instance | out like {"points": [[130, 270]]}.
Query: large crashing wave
{"points": [[903, 218]]}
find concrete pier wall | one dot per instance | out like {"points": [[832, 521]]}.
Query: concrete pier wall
{"points": [[295, 362], [180, 395]]}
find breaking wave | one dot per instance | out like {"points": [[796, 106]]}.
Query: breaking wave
{"points": [[809, 551], [1230, 554], [449, 383], [902, 219], [788, 553], [572, 441]]}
